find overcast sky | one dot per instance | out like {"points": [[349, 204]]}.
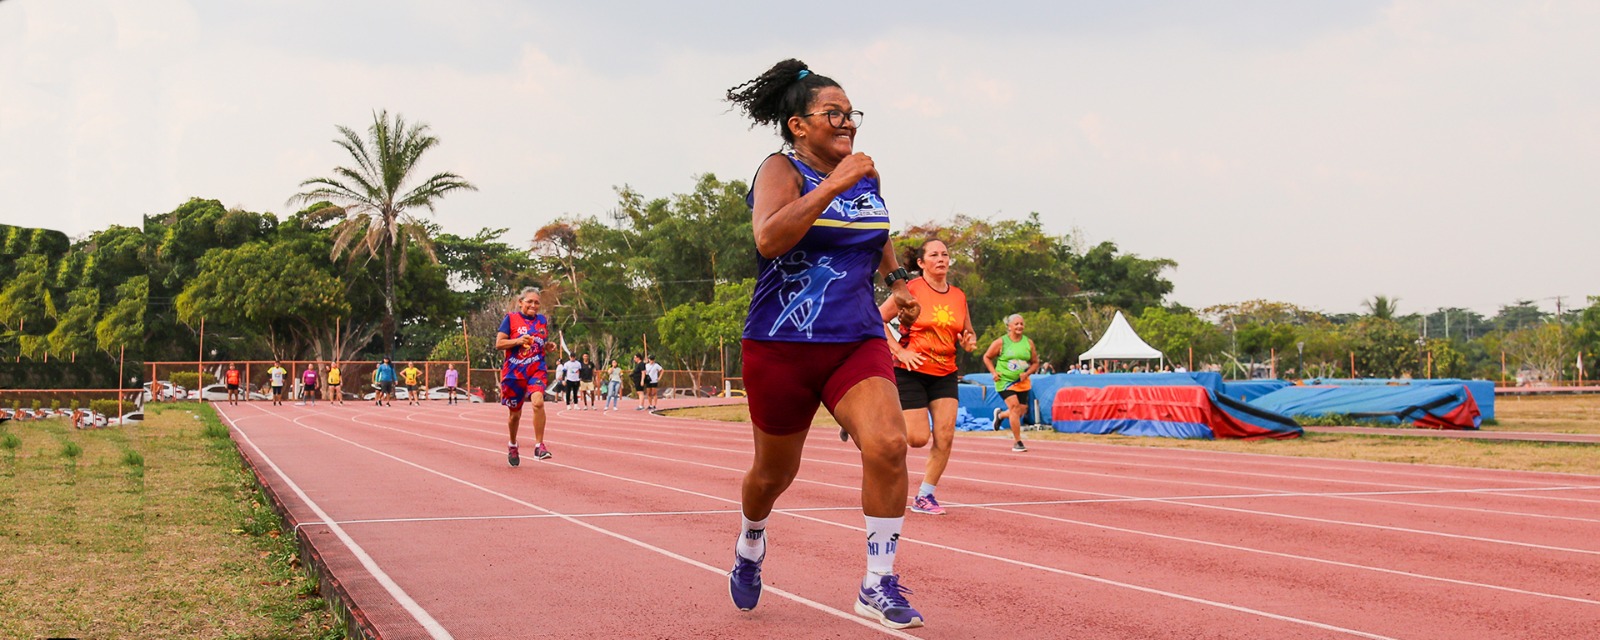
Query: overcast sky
{"points": [[1445, 153]]}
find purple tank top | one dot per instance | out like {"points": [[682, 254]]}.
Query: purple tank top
{"points": [[820, 290]]}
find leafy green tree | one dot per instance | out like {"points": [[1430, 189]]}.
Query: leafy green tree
{"points": [[1516, 316], [375, 199], [1382, 307], [263, 290], [694, 332], [1383, 348], [1174, 333], [74, 332], [1125, 281], [123, 325]]}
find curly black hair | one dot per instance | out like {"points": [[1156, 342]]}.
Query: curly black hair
{"points": [[780, 92]]}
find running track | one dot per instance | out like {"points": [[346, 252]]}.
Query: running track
{"points": [[628, 532]]}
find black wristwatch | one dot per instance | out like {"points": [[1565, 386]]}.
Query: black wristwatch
{"points": [[895, 276]]}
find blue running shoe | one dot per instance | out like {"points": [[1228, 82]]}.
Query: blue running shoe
{"points": [[885, 603], [744, 582]]}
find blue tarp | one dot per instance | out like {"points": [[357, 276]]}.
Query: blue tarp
{"points": [[1482, 390], [1425, 405], [1247, 390]]}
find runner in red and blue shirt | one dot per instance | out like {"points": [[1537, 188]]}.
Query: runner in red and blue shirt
{"points": [[525, 336]]}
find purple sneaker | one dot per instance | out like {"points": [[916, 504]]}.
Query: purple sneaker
{"points": [[927, 504], [512, 457], [744, 582], [540, 452], [883, 602]]}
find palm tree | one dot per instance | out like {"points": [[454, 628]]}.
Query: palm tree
{"points": [[1382, 307], [374, 202]]}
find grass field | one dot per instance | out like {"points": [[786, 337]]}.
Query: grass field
{"points": [[150, 531], [1555, 414], [1548, 414]]}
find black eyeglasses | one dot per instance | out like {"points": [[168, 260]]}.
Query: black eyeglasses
{"points": [[837, 118]]}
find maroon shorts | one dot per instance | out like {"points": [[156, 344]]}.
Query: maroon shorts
{"points": [[785, 381]]}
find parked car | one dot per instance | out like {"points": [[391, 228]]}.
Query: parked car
{"points": [[400, 393], [169, 392], [219, 393], [443, 393]]}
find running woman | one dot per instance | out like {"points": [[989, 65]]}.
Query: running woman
{"points": [[277, 372], [822, 232], [1018, 359], [335, 380], [652, 381], [925, 363], [308, 384], [451, 378], [231, 378], [525, 336], [413, 379], [613, 385]]}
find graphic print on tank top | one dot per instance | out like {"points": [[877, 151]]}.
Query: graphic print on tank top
{"points": [[821, 289]]}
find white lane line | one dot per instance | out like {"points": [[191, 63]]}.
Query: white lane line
{"points": [[615, 514], [979, 554], [418, 613], [1102, 463], [1085, 523], [1162, 500], [852, 617], [1353, 496]]}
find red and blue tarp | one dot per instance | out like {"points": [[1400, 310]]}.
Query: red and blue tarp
{"points": [[1431, 406], [1190, 411]]}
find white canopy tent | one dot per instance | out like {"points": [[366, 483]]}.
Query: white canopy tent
{"points": [[1120, 342]]}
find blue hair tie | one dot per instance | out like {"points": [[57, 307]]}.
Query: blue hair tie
{"points": [[803, 74]]}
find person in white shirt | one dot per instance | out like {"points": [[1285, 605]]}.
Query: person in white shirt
{"points": [[652, 382]]}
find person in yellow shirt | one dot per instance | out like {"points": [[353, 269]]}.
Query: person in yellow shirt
{"points": [[412, 376], [334, 380], [278, 373]]}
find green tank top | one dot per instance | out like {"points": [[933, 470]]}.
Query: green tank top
{"points": [[1013, 360]]}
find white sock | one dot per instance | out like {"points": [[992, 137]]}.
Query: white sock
{"points": [[752, 538], [513, 444], [925, 490], [883, 535]]}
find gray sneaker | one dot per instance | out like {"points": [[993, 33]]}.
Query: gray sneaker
{"points": [[1018, 447]]}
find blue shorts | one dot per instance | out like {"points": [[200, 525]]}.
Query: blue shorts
{"points": [[514, 390]]}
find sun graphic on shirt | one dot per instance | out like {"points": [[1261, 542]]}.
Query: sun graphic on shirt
{"points": [[942, 315]]}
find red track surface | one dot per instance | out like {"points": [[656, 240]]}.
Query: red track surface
{"points": [[628, 532]]}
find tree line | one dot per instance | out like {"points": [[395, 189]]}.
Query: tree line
{"points": [[360, 271]]}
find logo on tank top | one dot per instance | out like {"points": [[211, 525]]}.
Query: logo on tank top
{"points": [[803, 307], [864, 205]]}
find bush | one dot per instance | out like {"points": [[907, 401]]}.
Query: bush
{"points": [[186, 379], [55, 405], [106, 407]]}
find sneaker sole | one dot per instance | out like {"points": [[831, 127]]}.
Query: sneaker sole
{"points": [[544, 456], [929, 511], [867, 611]]}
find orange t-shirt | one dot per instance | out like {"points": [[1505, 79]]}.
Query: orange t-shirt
{"points": [[934, 333], [233, 376]]}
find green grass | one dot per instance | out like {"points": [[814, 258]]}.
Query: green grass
{"points": [[157, 531]]}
